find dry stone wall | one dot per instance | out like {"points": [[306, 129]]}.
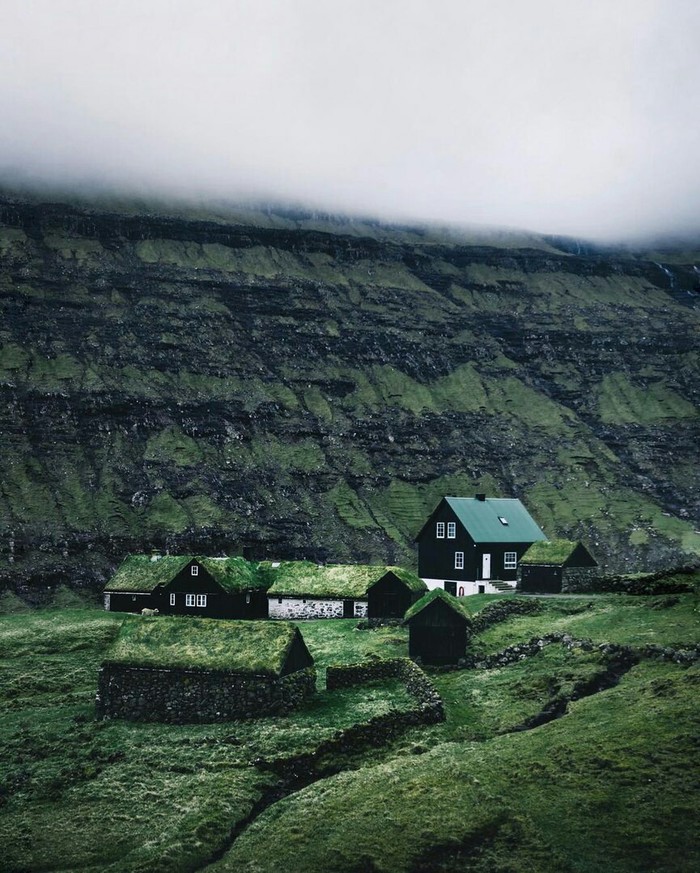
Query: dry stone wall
{"points": [[192, 696], [289, 608]]}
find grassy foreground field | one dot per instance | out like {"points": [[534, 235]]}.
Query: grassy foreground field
{"points": [[610, 786]]}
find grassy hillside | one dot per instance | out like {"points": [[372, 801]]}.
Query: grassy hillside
{"points": [[299, 386], [611, 785]]}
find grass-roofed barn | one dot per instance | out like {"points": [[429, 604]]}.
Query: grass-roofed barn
{"points": [[302, 589], [185, 670], [187, 585], [393, 593], [554, 566], [438, 628]]}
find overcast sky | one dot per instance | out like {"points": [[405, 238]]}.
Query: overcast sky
{"points": [[568, 116]]}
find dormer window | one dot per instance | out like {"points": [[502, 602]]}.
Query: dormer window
{"points": [[451, 530], [503, 520], [195, 570], [440, 530]]}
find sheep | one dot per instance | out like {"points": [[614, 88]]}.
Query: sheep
{"points": [[147, 611]]}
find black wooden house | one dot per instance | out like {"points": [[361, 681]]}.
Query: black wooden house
{"points": [[438, 628], [472, 545], [187, 585]]}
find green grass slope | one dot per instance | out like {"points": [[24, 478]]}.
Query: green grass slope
{"points": [[611, 785]]}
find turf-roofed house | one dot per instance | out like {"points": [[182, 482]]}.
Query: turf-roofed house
{"points": [[472, 545], [302, 589], [438, 628], [555, 566], [185, 670], [187, 585]]}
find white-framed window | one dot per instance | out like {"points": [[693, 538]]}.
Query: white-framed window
{"points": [[440, 530], [503, 520], [172, 600], [459, 560], [201, 600], [510, 560], [451, 530], [189, 599], [195, 570]]}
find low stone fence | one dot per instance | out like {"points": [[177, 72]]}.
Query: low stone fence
{"points": [[678, 580], [418, 685], [500, 610], [520, 651], [189, 696], [376, 731]]}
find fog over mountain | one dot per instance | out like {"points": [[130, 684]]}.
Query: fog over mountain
{"points": [[567, 118]]}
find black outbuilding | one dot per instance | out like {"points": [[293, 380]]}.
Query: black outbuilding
{"points": [[554, 566], [438, 628], [392, 594]]}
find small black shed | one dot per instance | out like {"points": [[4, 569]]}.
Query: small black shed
{"points": [[555, 566], [392, 594], [438, 628]]}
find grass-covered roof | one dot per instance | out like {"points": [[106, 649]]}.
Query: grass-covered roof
{"points": [[438, 594], [409, 579], [204, 644], [549, 552], [306, 579], [145, 572]]}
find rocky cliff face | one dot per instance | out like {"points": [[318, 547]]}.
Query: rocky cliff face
{"points": [[298, 389]]}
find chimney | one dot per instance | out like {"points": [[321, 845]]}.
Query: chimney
{"points": [[481, 497]]}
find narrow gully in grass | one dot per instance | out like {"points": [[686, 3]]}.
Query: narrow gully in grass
{"points": [[621, 662]]}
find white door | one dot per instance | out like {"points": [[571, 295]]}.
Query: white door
{"points": [[486, 566]]}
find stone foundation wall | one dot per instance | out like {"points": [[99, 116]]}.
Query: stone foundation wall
{"points": [[290, 608], [581, 580], [191, 696]]}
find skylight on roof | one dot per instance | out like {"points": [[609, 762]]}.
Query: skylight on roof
{"points": [[503, 520]]}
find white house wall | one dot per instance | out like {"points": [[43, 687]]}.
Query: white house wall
{"points": [[464, 589], [299, 608]]}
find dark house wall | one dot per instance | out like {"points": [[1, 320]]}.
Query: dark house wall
{"points": [[126, 601], [540, 578], [298, 656], [219, 603], [436, 557], [389, 597], [437, 634]]}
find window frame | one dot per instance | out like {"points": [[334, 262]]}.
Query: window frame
{"points": [[201, 600], [440, 530], [194, 570], [189, 600], [172, 598], [510, 560], [459, 560], [451, 530]]}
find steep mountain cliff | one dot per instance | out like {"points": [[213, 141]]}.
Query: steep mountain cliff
{"points": [[288, 386]]}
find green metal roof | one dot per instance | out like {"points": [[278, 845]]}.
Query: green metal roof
{"points": [[306, 579], [549, 552], [144, 573], [204, 644], [437, 594], [496, 519]]}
